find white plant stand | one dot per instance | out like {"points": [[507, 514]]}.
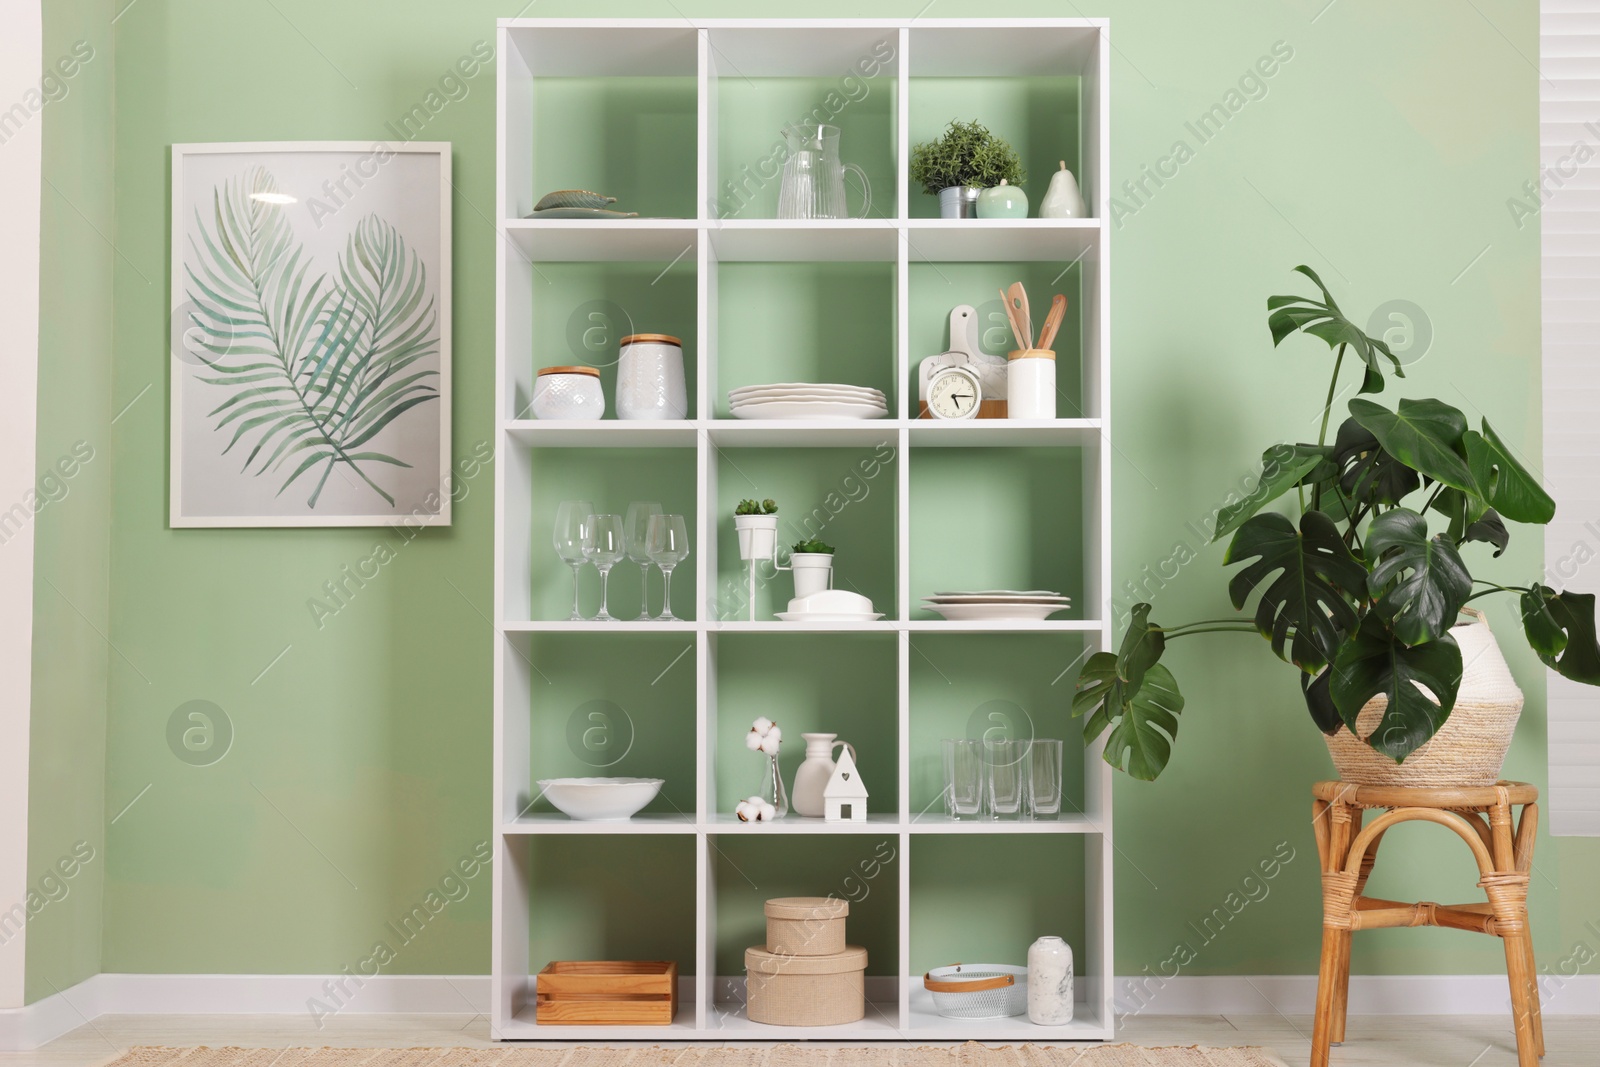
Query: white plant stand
{"points": [[531, 49]]}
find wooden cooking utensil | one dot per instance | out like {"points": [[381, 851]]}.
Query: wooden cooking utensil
{"points": [[1017, 297], [1017, 333], [1052, 321]]}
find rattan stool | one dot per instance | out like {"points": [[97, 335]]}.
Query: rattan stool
{"points": [[1481, 816]]}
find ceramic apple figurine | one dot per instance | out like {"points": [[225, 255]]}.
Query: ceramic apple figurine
{"points": [[1003, 201]]}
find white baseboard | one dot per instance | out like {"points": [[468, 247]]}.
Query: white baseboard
{"points": [[1370, 994], [404, 994], [239, 994]]}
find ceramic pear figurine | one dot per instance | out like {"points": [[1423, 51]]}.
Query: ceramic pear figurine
{"points": [[1062, 200]]}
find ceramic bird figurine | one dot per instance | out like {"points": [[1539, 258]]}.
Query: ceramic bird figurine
{"points": [[1062, 200]]}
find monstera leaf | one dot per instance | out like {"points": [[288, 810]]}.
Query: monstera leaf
{"points": [[1282, 468], [1135, 697], [1322, 318], [1561, 629], [1367, 473], [1490, 529], [1311, 599], [1419, 582], [313, 368], [1503, 482], [1425, 435], [1319, 702], [1419, 681]]}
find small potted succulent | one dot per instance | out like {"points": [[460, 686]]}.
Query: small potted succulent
{"points": [[964, 160], [812, 563], [757, 525]]}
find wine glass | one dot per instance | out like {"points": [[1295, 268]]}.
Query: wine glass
{"points": [[572, 530], [638, 531], [668, 541], [605, 546]]}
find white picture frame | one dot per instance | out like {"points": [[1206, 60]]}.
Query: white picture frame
{"points": [[346, 282]]}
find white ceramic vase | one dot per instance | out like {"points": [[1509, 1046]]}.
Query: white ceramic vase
{"points": [[811, 778], [1050, 982]]}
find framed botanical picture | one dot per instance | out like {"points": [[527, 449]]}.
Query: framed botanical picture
{"points": [[310, 334]]}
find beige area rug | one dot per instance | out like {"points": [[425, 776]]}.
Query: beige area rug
{"points": [[970, 1055]]}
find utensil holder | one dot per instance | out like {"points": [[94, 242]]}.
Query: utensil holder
{"points": [[1031, 384]]}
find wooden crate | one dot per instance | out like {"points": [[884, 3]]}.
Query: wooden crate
{"points": [[607, 993]]}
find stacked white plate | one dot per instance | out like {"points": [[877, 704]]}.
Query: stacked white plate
{"points": [[997, 605], [807, 400]]}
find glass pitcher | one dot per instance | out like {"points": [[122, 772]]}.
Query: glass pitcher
{"points": [[813, 176]]}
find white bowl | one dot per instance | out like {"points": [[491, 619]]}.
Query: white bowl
{"points": [[600, 799]]}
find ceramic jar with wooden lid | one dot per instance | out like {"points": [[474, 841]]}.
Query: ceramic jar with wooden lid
{"points": [[650, 383], [568, 393], [786, 990], [1031, 384], [806, 926]]}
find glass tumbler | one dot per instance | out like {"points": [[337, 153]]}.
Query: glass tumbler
{"points": [[1044, 777], [1006, 766], [963, 778]]}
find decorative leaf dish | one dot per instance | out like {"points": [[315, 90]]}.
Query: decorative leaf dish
{"points": [[582, 213], [573, 198]]}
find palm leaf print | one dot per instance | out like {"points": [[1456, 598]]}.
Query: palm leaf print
{"points": [[315, 366]]}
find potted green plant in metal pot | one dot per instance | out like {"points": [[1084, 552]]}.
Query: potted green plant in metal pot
{"points": [[965, 159], [1363, 583]]}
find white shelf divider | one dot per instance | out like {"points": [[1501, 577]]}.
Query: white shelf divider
{"points": [[709, 51]]}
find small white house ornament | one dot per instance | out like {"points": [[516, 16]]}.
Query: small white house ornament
{"points": [[844, 799]]}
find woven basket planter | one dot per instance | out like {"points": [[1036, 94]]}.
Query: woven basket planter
{"points": [[1469, 748]]}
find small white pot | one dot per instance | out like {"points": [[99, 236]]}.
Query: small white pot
{"points": [[813, 572], [758, 536]]}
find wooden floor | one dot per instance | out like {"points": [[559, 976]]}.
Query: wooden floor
{"points": [[1374, 1041]]}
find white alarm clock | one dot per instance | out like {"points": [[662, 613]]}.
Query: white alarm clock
{"points": [[954, 393]]}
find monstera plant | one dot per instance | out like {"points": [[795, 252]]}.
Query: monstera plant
{"points": [[1359, 583]]}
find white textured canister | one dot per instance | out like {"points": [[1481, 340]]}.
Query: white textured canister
{"points": [[1031, 384], [650, 382], [568, 393]]}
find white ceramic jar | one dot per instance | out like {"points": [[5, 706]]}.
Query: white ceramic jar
{"points": [[650, 381], [1050, 982], [568, 393], [1031, 384]]}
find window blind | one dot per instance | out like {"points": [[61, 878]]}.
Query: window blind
{"points": [[1566, 198]]}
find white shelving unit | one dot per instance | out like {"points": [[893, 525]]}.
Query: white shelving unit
{"points": [[532, 50]]}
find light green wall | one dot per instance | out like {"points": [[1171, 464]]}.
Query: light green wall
{"points": [[66, 837], [1381, 153]]}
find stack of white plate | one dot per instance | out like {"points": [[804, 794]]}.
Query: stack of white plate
{"points": [[997, 605], [807, 400]]}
